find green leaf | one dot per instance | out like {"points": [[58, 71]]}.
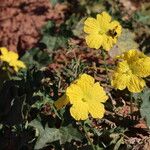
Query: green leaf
{"points": [[4, 75], [11, 103], [78, 30], [40, 100], [36, 57], [68, 133], [145, 106], [53, 2], [48, 28], [115, 137], [54, 42], [118, 143], [47, 135], [91, 7], [125, 42], [143, 14]]}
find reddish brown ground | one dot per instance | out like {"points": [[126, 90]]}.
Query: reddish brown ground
{"points": [[21, 21]]}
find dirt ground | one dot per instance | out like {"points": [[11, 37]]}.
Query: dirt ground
{"points": [[21, 21]]}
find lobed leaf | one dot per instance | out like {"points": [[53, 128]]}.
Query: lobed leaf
{"points": [[47, 135]]}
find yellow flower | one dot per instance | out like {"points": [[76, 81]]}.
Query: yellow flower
{"points": [[130, 71], [101, 31], [85, 96], [11, 58]]}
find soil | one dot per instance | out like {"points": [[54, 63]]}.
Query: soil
{"points": [[21, 21]]}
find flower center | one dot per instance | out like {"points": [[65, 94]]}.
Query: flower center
{"points": [[86, 97], [101, 31], [128, 72], [83, 99], [111, 33]]}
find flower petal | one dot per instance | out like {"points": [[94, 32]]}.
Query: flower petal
{"points": [[94, 40], [3, 51], [85, 82], [86, 78], [115, 25], [20, 64], [96, 110], [13, 55], [98, 93], [79, 111], [104, 19], [135, 84], [4, 54], [122, 67], [61, 102], [141, 67], [91, 26], [132, 55], [108, 42], [120, 80], [106, 16], [74, 93]]}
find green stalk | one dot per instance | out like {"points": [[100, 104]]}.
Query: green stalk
{"points": [[103, 52], [87, 137], [131, 104]]}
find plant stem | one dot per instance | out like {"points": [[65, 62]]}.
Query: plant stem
{"points": [[87, 137], [8, 74], [131, 104], [105, 64]]}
